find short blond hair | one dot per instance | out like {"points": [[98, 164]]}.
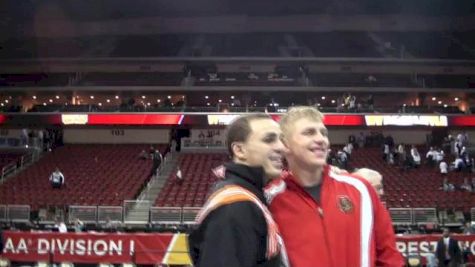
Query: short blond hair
{"points": [[298, 112], [370, 175]]}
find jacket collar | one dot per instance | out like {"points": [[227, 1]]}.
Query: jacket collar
{"points": [[252, 175], [294, 182]]}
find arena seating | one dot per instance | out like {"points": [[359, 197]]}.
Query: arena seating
{"points": [[9, 156], [35, 79], [426, 44], [338, 44], [198, 179], [415, 188], [132, 78], [321, 44], [94, 175]]}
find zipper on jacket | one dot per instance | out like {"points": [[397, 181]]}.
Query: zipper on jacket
{"points": [[325, 237]]}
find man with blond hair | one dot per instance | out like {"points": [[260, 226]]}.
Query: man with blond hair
{"points": [[326, 219], [374, 178]]}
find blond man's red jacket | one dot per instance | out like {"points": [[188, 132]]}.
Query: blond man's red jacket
{"points": [[349, 227]]}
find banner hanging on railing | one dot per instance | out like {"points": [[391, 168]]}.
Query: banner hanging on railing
{"points": [[425, 244], [148, 248], [96, 247]]}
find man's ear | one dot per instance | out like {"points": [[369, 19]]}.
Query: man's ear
{"points": [[239, 151]]}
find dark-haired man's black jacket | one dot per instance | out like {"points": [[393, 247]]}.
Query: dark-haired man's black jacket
{"points": [[234, 235]]}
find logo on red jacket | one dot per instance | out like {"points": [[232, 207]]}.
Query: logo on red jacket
{"points": [[344, 204]]}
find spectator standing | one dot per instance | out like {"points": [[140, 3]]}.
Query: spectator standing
{"points": [[179, 176], [60, 226], [78, 225], [361, 140], [448, 251], [416, 157], [443, 167], [57, 179], [156, 161], [430, 156]]}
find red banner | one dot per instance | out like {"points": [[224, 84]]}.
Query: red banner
{"points": [[86, 247], [336, 120], [425, 244], [134, 119], [148, 248]]}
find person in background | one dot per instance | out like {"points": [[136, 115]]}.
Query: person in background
{"points": [[447, 187], [57, 179], [156, 161], [443, 167], [143, 155], [373, 177], [467, 229], [78, 225], [60, 226], [416, 157], [448, 251], [179, 176]]}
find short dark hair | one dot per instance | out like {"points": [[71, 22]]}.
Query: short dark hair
{"points": [[240, 129]]}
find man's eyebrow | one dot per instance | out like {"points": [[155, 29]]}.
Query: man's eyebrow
{"points": [[270, 135]]}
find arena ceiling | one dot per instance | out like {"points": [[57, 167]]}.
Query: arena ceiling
{"points": [[12, 11]]}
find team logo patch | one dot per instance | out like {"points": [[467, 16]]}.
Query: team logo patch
{"points": [[344, 204]]}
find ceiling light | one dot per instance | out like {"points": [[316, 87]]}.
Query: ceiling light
{"points": [[333, 101], [169, 97], [220, 100], [434, 98], [57, 97], [50, 100], [6, 100], [456, 99], [92, 97], [440, 102], [208, 104], [100, 104], [34, 97], [232, 97], [108, 100], [143, 97], [44, 104], [445, 105], [116, 97], [148, 103], [158, 100], [206, 97], [323, 97]]}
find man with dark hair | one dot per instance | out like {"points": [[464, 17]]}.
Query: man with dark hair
{"points": [[235, 228], [448, 251]]}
